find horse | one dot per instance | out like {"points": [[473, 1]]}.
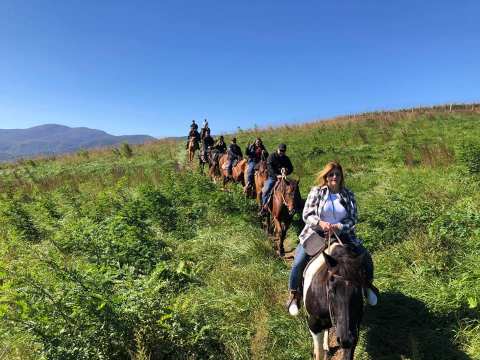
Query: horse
{"points": [[286, 200], [238, 171], [191, 148], [332, 295], [203, 158], [261, 175], [213, 165]]}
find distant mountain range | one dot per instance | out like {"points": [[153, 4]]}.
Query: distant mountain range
{"points": [[56, 139]]}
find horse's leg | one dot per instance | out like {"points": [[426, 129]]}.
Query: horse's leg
{"points": [[326, 348], [283, 235], [349, 352], [278, 235], [317, 339]]}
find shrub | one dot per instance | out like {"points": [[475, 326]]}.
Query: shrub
{"points": [[470, 156], [126, 150]]}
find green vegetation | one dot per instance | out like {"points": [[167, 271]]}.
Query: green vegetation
{"points": [[128, 254]]}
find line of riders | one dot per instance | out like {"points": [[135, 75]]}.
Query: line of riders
{"points": [[330, 208]]}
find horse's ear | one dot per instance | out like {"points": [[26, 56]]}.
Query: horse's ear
{"points": [[330, 261]]}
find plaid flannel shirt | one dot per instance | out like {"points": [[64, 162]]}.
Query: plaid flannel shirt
{"points": [[313, 208]]}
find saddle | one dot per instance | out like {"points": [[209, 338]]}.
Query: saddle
{"points": [[234, 163], [270, 196], [315, 245]]}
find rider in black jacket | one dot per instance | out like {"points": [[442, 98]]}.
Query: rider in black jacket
{"points": [[275, 162], [234, 153], [220, 145], [255, 153], [207, 143], [193, 133]]}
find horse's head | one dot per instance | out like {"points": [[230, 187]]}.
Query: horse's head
{"points": [[290, 195], [344, 293]]}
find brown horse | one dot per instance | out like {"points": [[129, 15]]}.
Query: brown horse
{"points": [[286, 200], [191, 148], [261, 175], [214, 165], [238, 171]]}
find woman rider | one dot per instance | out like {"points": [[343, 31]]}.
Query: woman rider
{"points": [[330, 207]]}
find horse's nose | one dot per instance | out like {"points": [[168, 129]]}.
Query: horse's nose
{"points": [[345, 343]]}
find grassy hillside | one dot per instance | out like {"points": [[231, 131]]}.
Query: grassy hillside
{"points": [[118, 255]]}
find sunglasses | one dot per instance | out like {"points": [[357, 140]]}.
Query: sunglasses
{"points": [[334, 173]]}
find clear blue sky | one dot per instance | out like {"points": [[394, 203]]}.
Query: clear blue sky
{"points": [[150, 67]]}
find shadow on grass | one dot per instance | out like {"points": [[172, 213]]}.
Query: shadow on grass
{"points": [[402, 327]]}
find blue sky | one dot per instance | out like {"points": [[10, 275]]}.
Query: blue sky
{"points": [[130, 67]]}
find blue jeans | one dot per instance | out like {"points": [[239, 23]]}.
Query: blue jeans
{"points": [[251, 171], [299, 263], [267, 189]]}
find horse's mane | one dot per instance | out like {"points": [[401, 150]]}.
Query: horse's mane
{"points": [[349, 264]]}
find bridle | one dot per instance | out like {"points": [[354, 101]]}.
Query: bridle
{"points": [[283, 178]]}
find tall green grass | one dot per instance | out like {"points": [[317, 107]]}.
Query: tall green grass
{"points": [[105, 254]]}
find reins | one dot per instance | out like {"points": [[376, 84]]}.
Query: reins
{"points": [[283, 178]]}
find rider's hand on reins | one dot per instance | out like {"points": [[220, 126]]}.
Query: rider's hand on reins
{"points": [[326, 227]]}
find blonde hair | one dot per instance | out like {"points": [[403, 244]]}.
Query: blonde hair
{"points": [[322, 175]]}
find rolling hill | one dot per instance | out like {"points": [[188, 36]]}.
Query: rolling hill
{"points": [[56, 139]]}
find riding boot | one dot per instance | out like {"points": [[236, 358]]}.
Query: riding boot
{"points": [[292, 303], [263, 211]]}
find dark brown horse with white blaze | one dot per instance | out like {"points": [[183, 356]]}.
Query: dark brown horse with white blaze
{"points": [[285, 202], [333, 297]]}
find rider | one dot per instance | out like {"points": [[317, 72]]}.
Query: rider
{"points": [[193, 133], [194, 126], [204, 129], [255, 153], [207, 142], [330, 207], [220, 145], [234, 153], [275, 163]]}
